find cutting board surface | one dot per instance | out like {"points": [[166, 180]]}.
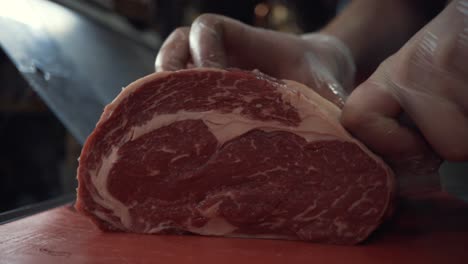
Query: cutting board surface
{"points": [[426, 230]]}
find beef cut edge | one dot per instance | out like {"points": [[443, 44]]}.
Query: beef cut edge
{"points": [[230, 153]]}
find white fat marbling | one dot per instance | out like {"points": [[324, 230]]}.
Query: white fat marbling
{"points": [[99, 179]]}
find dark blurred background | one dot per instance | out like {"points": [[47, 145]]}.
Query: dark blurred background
{"points": [[61, 61]]}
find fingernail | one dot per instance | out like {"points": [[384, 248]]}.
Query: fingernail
{"points": [[211, 64]]}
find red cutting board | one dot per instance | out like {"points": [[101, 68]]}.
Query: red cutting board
{"points": [[426, 230]]}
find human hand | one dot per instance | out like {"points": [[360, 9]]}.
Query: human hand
{"points": [[427, 81], [317, 60]]}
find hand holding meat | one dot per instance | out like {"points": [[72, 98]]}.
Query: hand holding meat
{"points": [[427, 79], [317, 60]]}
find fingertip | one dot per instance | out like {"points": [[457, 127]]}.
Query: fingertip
{"points": [[211, 64], [174, 53], [206, 41], [158, 66], [366, 105], [456, 153]]}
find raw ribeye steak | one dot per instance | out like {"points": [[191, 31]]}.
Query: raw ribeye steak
{"points": [[230, 153]]}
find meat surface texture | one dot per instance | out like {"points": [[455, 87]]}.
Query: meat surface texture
{"points": [[230, 153]]}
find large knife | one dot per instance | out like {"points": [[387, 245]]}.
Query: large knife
{"points": [[75, 64]]}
